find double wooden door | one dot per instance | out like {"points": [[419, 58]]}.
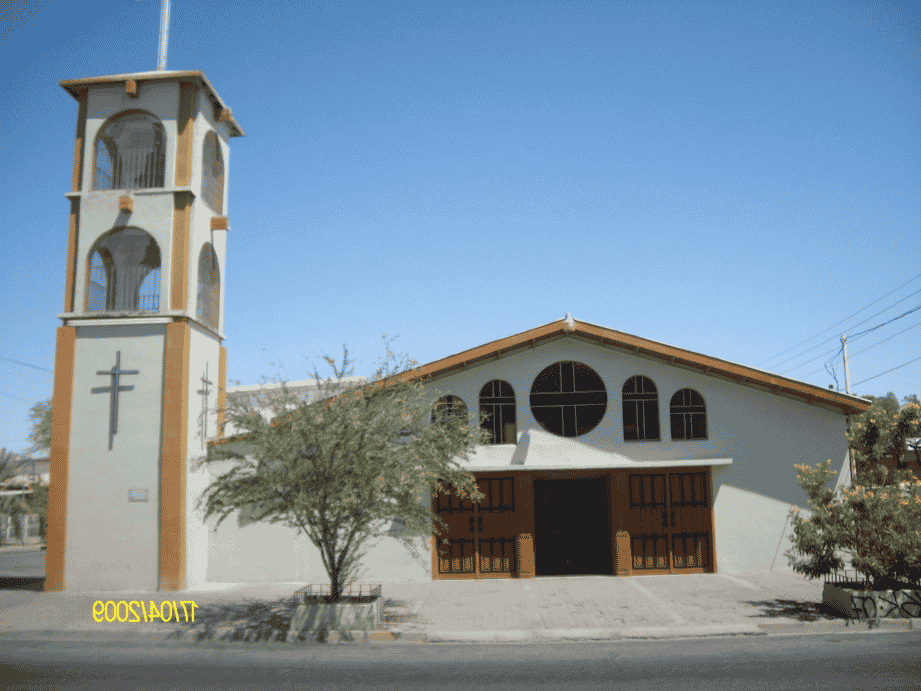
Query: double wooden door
{"points": [[672, 529], [482, 539]]}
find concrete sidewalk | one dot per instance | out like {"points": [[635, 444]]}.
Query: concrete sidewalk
{"points": [[557, 609]]}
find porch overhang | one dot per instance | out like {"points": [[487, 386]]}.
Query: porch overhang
{"points": [[538, 450]]}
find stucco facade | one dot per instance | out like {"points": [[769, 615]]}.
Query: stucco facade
{"points": [[143, 314], [756, 430]]}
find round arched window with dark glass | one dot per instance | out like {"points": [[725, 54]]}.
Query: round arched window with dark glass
{"points": [[448, 407], [130, 153], [568, 399]]}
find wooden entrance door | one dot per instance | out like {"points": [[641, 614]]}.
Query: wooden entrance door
{"points": [[458, 556], [496, 535], [671, 522]]}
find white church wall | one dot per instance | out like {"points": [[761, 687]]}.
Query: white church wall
{"points": [[157, 98], [203, 350], [763, 433], [116, 540]]}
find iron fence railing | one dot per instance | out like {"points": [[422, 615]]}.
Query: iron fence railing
{"points": [[132, 169], [852, 576], [323, 590], [124, 289]]}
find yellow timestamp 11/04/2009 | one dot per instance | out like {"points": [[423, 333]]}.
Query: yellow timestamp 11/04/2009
{"points": [[137, 611]]}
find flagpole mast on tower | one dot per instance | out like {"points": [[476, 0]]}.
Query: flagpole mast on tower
{"points": [[164, 36]]}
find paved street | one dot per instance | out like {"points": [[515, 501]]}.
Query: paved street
{"points": [[816, 663]]}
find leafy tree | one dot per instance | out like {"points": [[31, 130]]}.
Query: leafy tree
{"points": [[877, 438], [878, 526], [12, 506], [40, 415], [342, 468]]}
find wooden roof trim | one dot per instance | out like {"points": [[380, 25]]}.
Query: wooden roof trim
{"points": [[708, 365], [738, 373], [223, 113]]}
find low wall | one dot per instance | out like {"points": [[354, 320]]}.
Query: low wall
{"points": [[860, 604]]}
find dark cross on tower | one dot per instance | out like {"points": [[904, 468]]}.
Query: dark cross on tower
{"points": [[204, 391], [115, 373]]}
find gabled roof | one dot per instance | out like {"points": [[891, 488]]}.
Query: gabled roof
{"points": [[618, 340], [73, 86]]}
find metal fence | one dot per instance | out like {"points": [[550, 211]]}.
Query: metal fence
{"points": [[323, 590], [852, 576], [27, 532], [124, 289]]}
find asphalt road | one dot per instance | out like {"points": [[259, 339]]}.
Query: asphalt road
{"points": [[818, 662]]}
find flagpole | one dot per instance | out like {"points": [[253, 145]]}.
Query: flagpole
{"points": [[164, 35]]}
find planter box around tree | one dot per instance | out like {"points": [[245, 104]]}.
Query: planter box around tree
{"points": [[850, 599], [315, 616]]}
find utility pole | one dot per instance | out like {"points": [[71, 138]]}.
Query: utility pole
{"points": [[847, 374], [164, 35]]}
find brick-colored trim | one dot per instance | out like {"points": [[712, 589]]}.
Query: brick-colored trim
{"points": [[173, 462], [131, 88], [61, 407], [73, 86], [70, 270], [222, 389], [76, 181], [185, 125], [220, 223], [644, 347], [179, 271]]}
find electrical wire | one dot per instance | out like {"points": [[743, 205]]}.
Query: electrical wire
{"points": [[841, 348], [842, 321], [26, 364], [855, 336], [887, 371]]}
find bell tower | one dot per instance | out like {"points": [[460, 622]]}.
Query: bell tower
{"points": [[140, 369]]}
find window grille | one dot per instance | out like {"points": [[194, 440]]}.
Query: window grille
{"points": [[130, 153], [212, 184], [688, 415], [568, 399], [124, 273], [641, 409], [497, 554], [456, 556], [500, 494], [497, 400], [209, 287], [449, 406]]}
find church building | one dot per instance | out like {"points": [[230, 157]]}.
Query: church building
{"points": [[610, 453]]}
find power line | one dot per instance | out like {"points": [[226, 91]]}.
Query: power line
{"points": [[840, 348], [855, 337], [26, 364], [888, 371], [840, 322], [16, 397], [913, 326], [814, 359]]}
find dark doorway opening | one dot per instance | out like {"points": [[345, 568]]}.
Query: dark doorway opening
{"points": [[572, 526]]}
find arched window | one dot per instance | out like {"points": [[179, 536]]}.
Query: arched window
{"points": [[497, 400], [449, 407], [124, 273], [209, 287], [212, 174], [130, 153], [641, 409], [688, 415], [568, 399]]}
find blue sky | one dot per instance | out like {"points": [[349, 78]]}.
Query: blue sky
{"points": [[728, 177]]}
